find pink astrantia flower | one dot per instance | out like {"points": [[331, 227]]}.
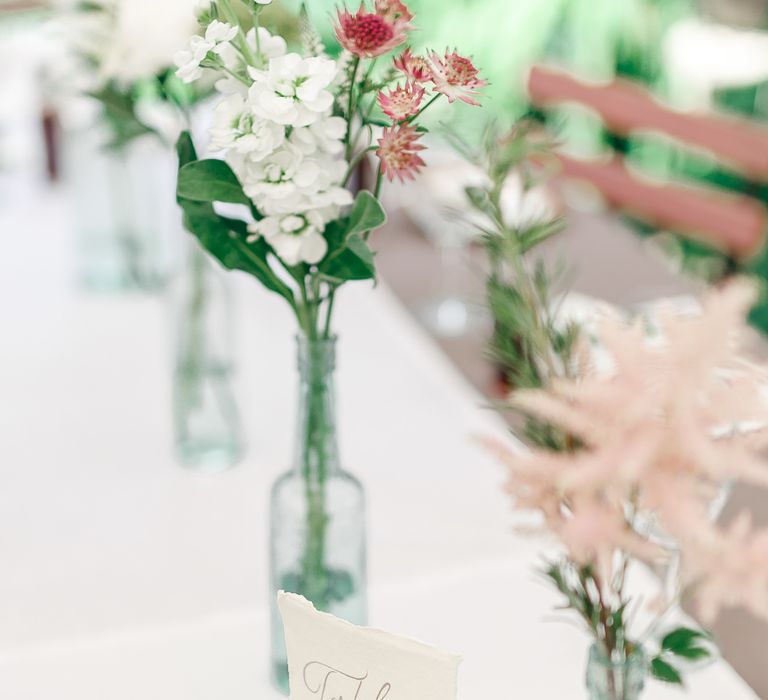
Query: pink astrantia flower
{"points": [[399, 152], [402, 102], [393, 11], [370, 34], [456, 77], [415, 68]]}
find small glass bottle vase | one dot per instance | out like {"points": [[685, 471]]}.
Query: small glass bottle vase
{"points": [[317, 538], [206, 420], [615, 679], [125, 211]]}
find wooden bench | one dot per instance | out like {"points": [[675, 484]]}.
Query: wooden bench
{"points": [[732, 223]]}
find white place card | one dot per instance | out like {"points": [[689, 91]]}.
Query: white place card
{"points": [[330, 659]]}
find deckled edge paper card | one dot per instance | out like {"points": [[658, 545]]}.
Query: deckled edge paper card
{"points": [[330, 659]]}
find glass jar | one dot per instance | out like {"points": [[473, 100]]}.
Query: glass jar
{"points": [[206, 421], [317, 535], [615, 678], [124, 210]]}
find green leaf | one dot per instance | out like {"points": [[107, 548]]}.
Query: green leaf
{"points": [[479, 199], [367, 214], [378, 122], [693, 653], [210, 181], [665, 672], [120, 113], [538, 234], [341, 585], [185, 149], [355, 262], [681, 639], [349, 257], [223, 238]]}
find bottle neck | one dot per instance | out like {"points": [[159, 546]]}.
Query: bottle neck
{"points": [[316, 447]]}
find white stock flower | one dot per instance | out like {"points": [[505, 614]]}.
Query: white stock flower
{"points": [[216, 40], [293, 90], [271, 178], [202, 7], [142, 38], [235, 126], [287, 182], [268, 46], [295, 238], [218, 32], [325, 135]]}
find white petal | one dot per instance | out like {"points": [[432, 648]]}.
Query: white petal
{"points": [[322, 102], [313, 248], [288, 247], [307, 173]]}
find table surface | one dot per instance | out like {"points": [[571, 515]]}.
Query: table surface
{"points": [[126, 577]]}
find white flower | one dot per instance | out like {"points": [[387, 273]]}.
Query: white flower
{"points": [[142, 38], [202, 7], [188, 60], [269, 46], [287, 182], [219, 32], [325, 135], [271, 178], [292, 91], [235, 126], [294, 238], [525, 208], [216, 40]]}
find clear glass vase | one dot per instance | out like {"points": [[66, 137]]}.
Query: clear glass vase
{"points": [[206, 421], [317, 538], [124, 211], [615, 678]]}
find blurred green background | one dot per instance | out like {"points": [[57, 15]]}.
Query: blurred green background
{"points": [[599, 39]]}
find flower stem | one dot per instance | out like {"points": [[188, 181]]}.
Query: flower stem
{"points": [[350, 108], [379, 181], [432, 101], [355, 162], [315, 454], [242, 40], [329, 313]]}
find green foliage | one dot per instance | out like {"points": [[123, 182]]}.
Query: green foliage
{"points": [[684, 645], [210, 181], [367, 214], [349, 257], [336, 585], [201, 183], [120, 114], [527, 344], [666, 672], [222, 237]]}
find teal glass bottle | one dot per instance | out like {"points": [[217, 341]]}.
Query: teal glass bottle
{"points": [[317, 537], [206, 421], [615, 678]]}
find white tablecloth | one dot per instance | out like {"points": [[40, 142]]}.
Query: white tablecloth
{"points": [[125, 577]]}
